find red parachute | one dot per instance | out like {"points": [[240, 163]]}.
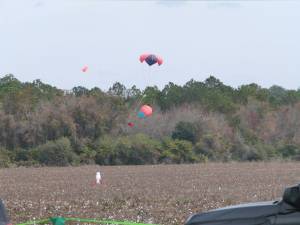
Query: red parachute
{"points": [[151, 59], [84, 69]]}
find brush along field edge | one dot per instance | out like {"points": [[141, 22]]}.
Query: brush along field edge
{"points": [[46, 221]]}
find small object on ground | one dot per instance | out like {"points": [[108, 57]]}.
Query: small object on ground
{"points": [[57, 220], [98, 178]]}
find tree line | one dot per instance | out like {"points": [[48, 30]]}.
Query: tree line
{"points": [[196, 122]]}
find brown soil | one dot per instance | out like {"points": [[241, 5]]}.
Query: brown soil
{"points": [[163, 194]]}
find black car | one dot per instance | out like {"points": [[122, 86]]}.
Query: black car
{"points": [[284, 212]]}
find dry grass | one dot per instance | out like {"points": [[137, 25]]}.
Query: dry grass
{"points": [[164, 194]]}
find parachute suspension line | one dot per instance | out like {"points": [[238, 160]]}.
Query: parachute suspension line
{"points": [[151, 60], [134, 106], [140, 100]]}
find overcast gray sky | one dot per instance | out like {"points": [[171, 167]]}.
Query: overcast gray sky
{"points": [[238, 42]]}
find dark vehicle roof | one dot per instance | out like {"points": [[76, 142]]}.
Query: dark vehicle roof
{"points": [[4, 220], [259, 213], [252, 214]]}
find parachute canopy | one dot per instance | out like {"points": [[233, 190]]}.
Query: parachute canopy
{"points": [[84, 69], [151, 59]]}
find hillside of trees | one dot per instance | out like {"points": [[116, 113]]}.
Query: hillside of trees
{"points": [[197, 122]]}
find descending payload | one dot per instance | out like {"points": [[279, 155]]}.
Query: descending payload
{"points": [[151, 59], [147, 110], [130, 124], [144, 110], [141, 115]]}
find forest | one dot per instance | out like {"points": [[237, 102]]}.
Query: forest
{"points": [[200, 121]]}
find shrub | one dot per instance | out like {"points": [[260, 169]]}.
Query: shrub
{"points": [[104, 148], [289, 151], [185, 131], [177, 151], [4, 158], [56, 153], [135, 150], [87, 155]]}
